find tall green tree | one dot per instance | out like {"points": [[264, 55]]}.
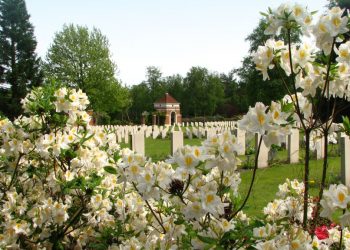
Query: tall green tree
{"points": [[141, 101], [155, 83], [204, 92], [19, 64], [81, 58], [232, 103], [175, 87]]}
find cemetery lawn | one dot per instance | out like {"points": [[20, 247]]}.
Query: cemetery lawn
{"points": [[159, 149], [267, 179]]}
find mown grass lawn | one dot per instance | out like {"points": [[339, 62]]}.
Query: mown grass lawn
{"points": [[267, 179]]}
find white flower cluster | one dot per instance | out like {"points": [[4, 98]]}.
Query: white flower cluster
{"points": [[70, 100], [300, 60], [287, 13], [201, 199], [286, 214], [270, 122], [290, 204], [329, 26], [293, 238], [44, 168]]}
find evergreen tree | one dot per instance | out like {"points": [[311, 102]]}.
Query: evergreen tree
{"points": [[19, 65]]}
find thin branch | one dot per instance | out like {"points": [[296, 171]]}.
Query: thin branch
{"points": [[187, 185], [152, 211], [252, 180], [14, 171]]}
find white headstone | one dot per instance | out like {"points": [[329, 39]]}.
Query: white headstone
{"points": [[177, 141], [345, 160], [240, 135], [138, 143], [293, 146], [209, 133], [164, 133], [119, 137], [320, 148], [155, 134], [126, 137], [263, 154]]}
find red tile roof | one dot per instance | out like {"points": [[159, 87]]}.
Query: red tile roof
{"points": [[167, 99]]}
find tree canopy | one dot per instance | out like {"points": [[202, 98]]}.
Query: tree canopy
{"points": [[81, 58], [201, 93], [19, 64]]}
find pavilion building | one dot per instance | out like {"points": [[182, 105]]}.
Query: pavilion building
{"points": [[170, 107]]}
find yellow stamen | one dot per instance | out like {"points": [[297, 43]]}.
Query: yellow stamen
{"points": [[261, 119], [210, 198], [188, 161]]}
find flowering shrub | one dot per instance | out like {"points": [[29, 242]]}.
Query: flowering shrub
{"points": [[67, 185]]}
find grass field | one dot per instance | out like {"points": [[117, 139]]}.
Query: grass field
{"points": [[267, 179]]}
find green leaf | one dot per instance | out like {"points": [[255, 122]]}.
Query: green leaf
{"points": [[207, 240], [84, 139], [116, 156], [77, 183], [179, 221], [346, 124], [110, 169], [223, 190]]}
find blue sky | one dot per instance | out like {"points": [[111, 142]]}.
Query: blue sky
{"points": [[172, 35]]}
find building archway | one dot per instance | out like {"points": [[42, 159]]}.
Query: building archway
{"points": [[173, 118]]}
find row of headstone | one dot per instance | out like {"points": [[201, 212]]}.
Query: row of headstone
{"points": [[209, 124], [193, 129], [137, 142]]}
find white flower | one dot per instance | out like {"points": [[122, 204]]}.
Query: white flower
{"points": [[211, 203], [227, 225], [343, 52], [336, 23], [256, 120], [194, 210], [59, 214], [260, 232], [187, 162], [274, 137], [267, 245], [302, 55], [263, 58], [340, 196]]}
